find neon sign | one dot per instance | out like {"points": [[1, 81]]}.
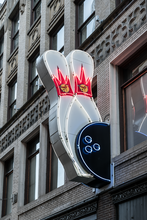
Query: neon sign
{"points": [[72, 114]]}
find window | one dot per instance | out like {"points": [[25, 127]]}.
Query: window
{"points": [[15, 32], [34, 79], [86, 19], [1, 51], [12, 99], [135, 95], [36, 9], [133, 100], [55, 170], [32, 170], [57, 40], [8, 182]]}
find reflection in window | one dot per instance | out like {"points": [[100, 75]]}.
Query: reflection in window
{"points": [[136, 110], [12, 99], [86, 20], [8, 182], [32, 173], [34, 79], [58, 41]]}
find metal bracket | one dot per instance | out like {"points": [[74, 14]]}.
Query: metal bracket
{"points": [[110, 185]]}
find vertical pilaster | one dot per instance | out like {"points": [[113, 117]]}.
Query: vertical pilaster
{"points": [[44, 39], [69, 24], [22, 168], [22, 75], [4, 94], [114, 111]]}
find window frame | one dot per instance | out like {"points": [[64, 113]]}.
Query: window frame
{"points": [[33, 9], [14, 81], [27, 174], [14, 35], [6, 175], [79, 28]]}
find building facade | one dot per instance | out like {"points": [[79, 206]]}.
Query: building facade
{"points": [[33, 184]]}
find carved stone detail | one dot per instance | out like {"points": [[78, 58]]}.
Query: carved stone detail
{"points": [[123, 31], [130, 193], [55, 6], [34, 37], [32, 116], [22, 8], [89, 209], [13, 65]]}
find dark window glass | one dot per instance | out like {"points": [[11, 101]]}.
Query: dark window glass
{"points": [[1, 51], [12, 99], [58, 40], [15, 32], [34, 79], [32, 171], [86, 19], [36, 9], [8, 182]]}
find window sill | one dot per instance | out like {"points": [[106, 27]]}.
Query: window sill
{"points": [[14, 52], [49, 196], [34, 25], [130, 153]]}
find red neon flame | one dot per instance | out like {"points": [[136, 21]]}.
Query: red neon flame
{"points": [[62, 85], [83, 85]]}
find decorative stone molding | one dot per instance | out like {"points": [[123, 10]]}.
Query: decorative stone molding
{"points": [[22, 8], [13, 65], [40, 109], [34, 37], [79, 213], [54, 7], [130, 193], [122, 32]]}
